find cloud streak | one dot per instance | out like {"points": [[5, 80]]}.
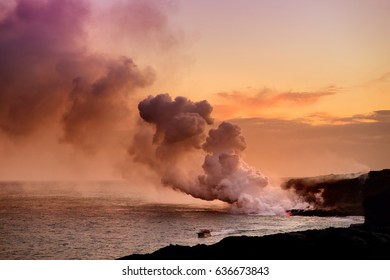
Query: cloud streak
{"points": [[231, 103], [380, 116], [267, 97]]}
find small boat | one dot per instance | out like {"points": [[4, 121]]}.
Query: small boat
{"points": [[204, 233]]}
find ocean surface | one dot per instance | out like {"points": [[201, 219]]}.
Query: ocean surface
{"points": [[106, 220]]}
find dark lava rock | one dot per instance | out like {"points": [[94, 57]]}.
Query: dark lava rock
{"points": [[354, 243], [344, 193], [317, 213], [377, 209]]}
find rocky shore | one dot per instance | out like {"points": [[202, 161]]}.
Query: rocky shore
{"points": [[333, 243], [342, 194], [368, 241]]}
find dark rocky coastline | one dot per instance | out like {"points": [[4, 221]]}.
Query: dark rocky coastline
{"points": [[342, 193], [333, 243], [368, 241]]}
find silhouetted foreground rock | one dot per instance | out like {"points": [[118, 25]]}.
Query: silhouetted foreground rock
{"points": [[377, 209], [332, 243], [370, 241]]}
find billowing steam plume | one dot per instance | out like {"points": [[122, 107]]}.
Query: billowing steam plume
{"points": [[180, 128], [96, 109], [49, 76], [52, 80]]}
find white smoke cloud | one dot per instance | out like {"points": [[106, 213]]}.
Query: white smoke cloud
{"points": [[179, 144]]}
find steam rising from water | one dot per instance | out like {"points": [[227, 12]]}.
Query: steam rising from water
{"points": [[51, 77], [180, 134]]}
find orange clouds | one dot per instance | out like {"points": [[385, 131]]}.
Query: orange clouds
{"points": [[322, 118], [241, 104]]}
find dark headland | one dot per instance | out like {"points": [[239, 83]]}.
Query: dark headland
{"points": [[365, 194]]}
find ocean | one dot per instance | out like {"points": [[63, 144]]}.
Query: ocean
{"points": [[107, 220]]}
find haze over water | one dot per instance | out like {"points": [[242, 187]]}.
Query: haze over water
{"points": [[104, 220]]}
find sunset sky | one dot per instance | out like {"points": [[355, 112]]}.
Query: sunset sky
{"points": [[308, 81]]}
